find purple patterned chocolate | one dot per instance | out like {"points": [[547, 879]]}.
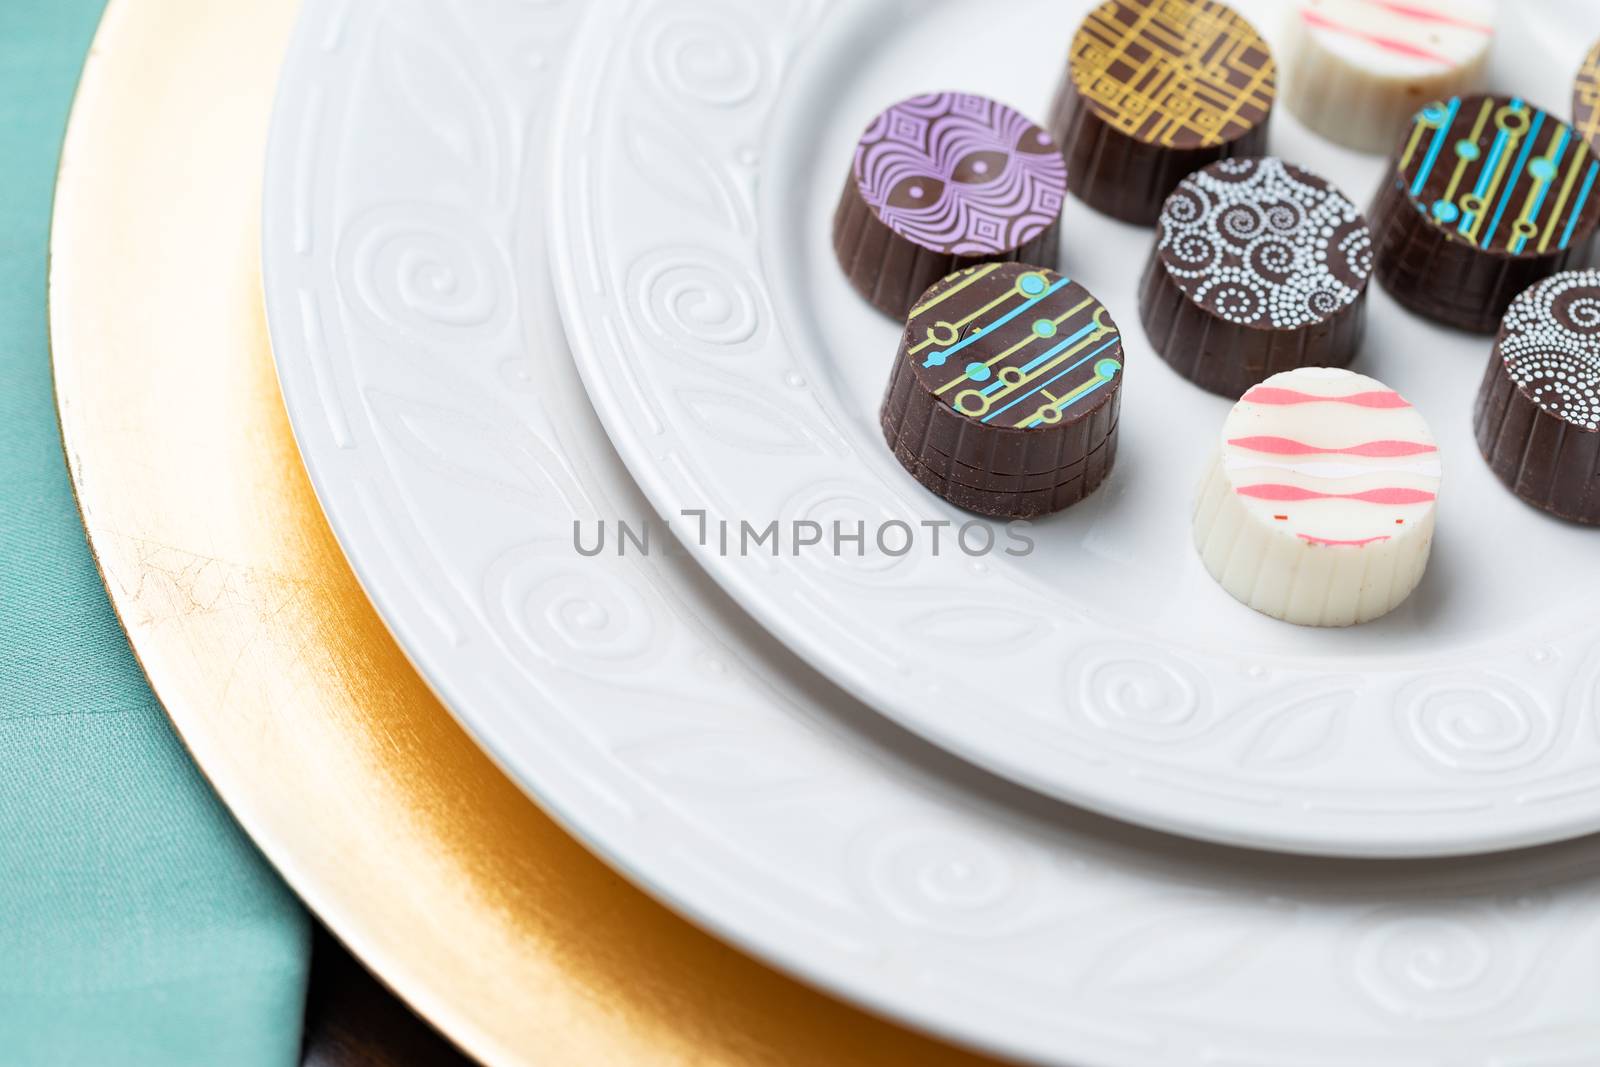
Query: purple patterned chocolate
{"points": [[961, 175]]}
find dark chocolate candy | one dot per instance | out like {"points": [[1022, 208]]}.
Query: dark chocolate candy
{"points": [[1488, 195], [1258, 267], [1586, 99], [1005, 394], [1538, 413], [1019, 497], [1154, 90], [942, 182]]}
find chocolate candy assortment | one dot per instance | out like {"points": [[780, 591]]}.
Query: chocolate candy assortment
{"points": [[1318, 509]]}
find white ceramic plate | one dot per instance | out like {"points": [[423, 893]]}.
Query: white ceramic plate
{"points": [[451, 444], [700, 161]]}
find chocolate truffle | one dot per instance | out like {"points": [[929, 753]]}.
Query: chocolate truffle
{"points": [[1259, 267], [1005, 394], [942, 182], [1155, 90], [1319, 507], [1586, 99], [1360, 69], [1538, 413], [1489, 195]]}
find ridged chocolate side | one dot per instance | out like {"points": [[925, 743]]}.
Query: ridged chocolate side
{"points": [[1122, 176], [891, 271], [1545, 460], [1018, 497], [1451, 281], [932, 434], [1226, 358]]}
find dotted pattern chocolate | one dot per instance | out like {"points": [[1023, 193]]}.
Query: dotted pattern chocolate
{"points": [[1500, 175], [1550, 344], [1183, 75], [961, 174], [1258, 242]]}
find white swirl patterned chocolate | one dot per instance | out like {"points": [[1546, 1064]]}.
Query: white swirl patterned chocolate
{"points": [[1551, 346], [961, 174], [1259, 242]]}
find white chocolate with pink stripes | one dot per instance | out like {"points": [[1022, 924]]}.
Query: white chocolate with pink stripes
{"points": [[1360, 68], [1319, 508], [1401, 38]]}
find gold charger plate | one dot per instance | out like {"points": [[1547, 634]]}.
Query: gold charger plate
{"points": [[460, 893]]}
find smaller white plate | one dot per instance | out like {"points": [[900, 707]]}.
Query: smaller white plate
{"points": [[739, 374]]}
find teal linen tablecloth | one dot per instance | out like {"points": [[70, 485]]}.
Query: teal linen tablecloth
{"points": [[138, 926]]}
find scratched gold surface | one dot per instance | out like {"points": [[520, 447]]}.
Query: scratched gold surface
{"points": [[293, 698]]}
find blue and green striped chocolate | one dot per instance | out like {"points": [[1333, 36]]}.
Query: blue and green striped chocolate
{"points": [[1005, 370], [1500, 175]]}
